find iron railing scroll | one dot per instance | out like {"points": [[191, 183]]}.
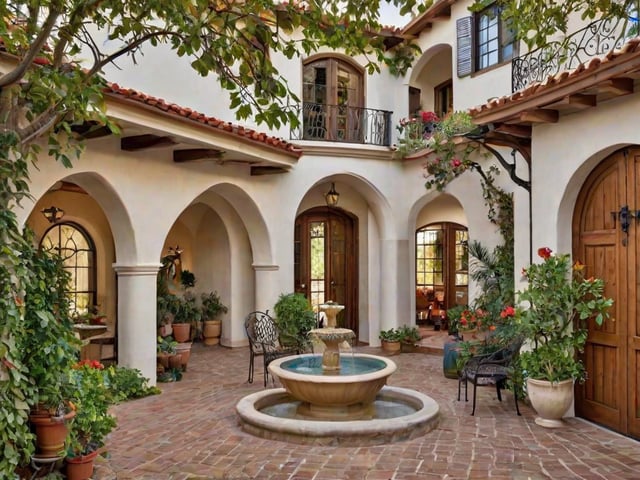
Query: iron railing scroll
{"points": [[594, 40]]}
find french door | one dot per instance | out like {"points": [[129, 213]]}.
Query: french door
{"points": [[325, 260], [606, 238]]}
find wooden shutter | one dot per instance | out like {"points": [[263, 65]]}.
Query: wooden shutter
{"points": [[464, 36]]}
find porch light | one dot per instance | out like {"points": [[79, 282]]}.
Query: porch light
{"points": [[53, 214], [332, 196]]}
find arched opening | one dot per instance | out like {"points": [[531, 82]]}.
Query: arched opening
{"points": [[441, 268]]}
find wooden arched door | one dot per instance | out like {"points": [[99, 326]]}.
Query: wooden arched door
{"points": [[325, 260], [606, 238]]}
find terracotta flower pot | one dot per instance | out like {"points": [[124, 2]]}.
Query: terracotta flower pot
{"points": [[80, 468], [184, 349], [212, 331], [392, 348], [51, 433], [181, 332]]}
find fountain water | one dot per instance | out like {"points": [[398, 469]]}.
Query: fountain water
{"points": [[330, 399]]}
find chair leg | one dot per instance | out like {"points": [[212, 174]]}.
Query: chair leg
{"points": [[250, 379], [515, 395], [473, 410], [498, 388]]}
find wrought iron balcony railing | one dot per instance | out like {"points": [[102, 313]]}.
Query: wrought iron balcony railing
{"points": [[594, 40], [341, 123]]}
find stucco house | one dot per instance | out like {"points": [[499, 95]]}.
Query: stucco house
{"points": [[247, 206]]}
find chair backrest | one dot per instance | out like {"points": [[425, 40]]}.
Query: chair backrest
{"points": [[261, 331]]}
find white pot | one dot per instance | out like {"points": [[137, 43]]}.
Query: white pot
{"points": [[551, 400]]}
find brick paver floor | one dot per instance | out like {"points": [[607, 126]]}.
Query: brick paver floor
{"points": [[191, 431]]}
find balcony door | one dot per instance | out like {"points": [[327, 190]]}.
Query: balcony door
{"points": [[325, 260], [332, 101]]}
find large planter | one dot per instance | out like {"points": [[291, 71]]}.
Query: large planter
{"points": [[51, 433], [392, 348], [181, 332], [450, 359], [80, 468], [550, 400], [211, 332]]}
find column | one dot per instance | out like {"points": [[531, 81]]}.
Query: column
{"points": [[137, 329], [268, 286]]}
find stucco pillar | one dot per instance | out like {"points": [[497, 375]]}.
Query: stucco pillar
{"points": [[268, 286], [137, 330], [395, 302]]}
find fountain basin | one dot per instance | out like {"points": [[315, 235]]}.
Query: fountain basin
{"points": [[344, 392], [422, 417]]}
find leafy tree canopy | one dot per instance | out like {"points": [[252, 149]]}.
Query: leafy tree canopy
{"points": [[537, 20]]}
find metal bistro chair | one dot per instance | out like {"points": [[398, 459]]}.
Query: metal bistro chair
{"points": [[490, 369], [264, 341]]}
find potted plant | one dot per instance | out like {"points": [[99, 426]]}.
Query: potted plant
{"points": [[212, 307], [49, 349], [294, 319], [560, 304], [409, 337], [390, 340], [166, 349], [91, 398], [186, 315]]}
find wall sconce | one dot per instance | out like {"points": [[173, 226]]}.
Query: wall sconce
{"points": [[53, 214], [332, 196]]}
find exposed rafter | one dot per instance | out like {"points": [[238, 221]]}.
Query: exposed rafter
{"points": [[143, 142], [192, 154]]}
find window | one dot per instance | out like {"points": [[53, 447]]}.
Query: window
{"points": [[332, 101], [495, 39], [484, 40], [443, 98], [78, 254]]}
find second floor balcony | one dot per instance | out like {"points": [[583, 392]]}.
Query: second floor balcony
{"points": [[343, 123], [594, 40]]}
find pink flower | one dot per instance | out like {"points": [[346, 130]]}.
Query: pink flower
{"points": [[456, 163]]}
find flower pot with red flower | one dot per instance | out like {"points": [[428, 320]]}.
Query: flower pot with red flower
{"points": [[559, 302], [92, 423]]}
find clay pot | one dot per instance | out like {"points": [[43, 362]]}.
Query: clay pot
{"points": [[184, 349], [550, 400], [181, 332], [51, 433], [80, 468], [392, 348], [212, 331]]}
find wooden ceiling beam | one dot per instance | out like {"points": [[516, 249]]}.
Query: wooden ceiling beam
{"points": [[539, 115], [577, 101], [189, 155], [522, 131], [91, 129], [266, 170], [143, 142], [616, 86]]}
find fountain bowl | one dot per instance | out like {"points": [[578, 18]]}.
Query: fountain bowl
{"points": [[333, 391], [423, 417]]}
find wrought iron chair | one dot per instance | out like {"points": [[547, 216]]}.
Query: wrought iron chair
{"points": [[264, 341], [490, 369]]}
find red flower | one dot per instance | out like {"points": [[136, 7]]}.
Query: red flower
{"points": [[544, 252], [508, 312], [429, 117], [456, 163]]}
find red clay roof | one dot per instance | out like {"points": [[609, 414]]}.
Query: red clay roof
{"points": [[115, 90], [597, 71]]}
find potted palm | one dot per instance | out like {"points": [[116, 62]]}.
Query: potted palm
{"points": [[91, 398], [212, 307], [561, 302]]}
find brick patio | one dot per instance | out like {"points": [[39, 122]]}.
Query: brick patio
{"points": [[191, 431]]}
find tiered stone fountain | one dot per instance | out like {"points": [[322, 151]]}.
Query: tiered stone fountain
{"points": [[334, 399]]}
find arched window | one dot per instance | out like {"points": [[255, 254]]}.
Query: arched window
{"points": [[442, 277], [332, 101], [78, 253]]}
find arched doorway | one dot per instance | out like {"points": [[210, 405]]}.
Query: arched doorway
{"points": [[442, 273], [326, 260], [606, 238]]}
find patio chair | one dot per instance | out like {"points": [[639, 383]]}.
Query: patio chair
{"points": [[264, 340], [490, 369]]}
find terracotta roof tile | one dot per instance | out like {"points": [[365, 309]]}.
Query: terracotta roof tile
{"points": [[114, 89], [592, 65]]}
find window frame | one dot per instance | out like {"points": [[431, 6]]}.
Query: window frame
{"points": [[501, 38]]}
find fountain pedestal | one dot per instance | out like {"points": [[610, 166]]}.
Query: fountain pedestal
{"points": [[331, 310], [332, 338]]}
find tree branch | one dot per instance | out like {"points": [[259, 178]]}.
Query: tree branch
{"points": [[17, 73]]}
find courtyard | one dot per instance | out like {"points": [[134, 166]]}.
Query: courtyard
{"points": [[191, 431]]}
